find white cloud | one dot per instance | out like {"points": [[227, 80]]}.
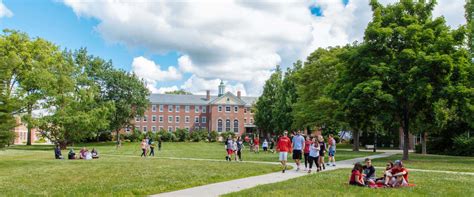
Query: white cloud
{"points": [[162, 90], [238, 41], [197, 85], [152, 73], [4, 11]]}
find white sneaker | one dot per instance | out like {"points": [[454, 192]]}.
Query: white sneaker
{"points": [[305, 169]]}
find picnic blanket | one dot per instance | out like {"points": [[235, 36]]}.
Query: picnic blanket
{"points": [[380, 185]]}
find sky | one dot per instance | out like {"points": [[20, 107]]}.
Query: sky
{"points": [[193, 45]]}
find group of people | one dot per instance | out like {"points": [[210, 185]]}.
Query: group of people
{"points": [[254, 144], [83, 154], [148, 147], [394, 175], [234, 146], [313, 148]]}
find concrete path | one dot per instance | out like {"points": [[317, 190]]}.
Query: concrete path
{"points": [[221, 188]]}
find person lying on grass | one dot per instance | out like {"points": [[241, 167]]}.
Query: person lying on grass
{"points": [[356, 176], [398, 176], [369, 172]]}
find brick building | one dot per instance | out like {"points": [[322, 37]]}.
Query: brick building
{"points": [[224, 112]]}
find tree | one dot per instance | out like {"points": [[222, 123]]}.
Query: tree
{"points": [[265, 105], [285, 98], [180, 92], [469, 7], [408, 61]]}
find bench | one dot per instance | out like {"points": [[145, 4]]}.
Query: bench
{"points": [[369, 147]]}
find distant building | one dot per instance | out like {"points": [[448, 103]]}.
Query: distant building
{"points": [[21, 133], [224, 112]]}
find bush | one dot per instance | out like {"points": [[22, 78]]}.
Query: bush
{"points": [[213, 136], [182, 135], [198, 135], [418, 148], [463, 145], [226, 134], [135, 136], [167, 136]]}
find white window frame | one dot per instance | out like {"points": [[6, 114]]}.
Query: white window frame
{"points": [[137, 118], [219, 108], [196, 118], [161, 108], [160, 118], [222, 125], [170, 129], [228, 127], [153, 128], [176, 119], [178, 107], [170, 108], [145, 129], [204, 109], [170, 121], [228, 107], [196, 109], [203, 119], [236, 109], [245, 110], [245, 120], [186, 119], [236, 131], [186, 108], [145, 118], [153, 118], [153, 108]]}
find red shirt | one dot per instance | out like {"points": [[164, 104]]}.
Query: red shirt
{"points": [[284, 144], [256, 141], [307, 144], [398, 170], [355, 173]]}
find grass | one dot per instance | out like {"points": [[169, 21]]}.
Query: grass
{"points": [[334, 183], [27, 173], [432, 162], [203, 150]]}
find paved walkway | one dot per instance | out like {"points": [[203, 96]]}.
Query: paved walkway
{"points": [[221, 188]]}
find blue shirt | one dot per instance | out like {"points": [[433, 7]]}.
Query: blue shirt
{"points": [[298, 142]]}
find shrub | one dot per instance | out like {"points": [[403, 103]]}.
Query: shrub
{"points": [[182, 135], [195, 136], [227, 134], [134, 136], [213, 136], [463, 145], [167, 136], [418, 148]]}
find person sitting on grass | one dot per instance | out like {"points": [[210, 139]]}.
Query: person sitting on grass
{"points": [[398, 176], [369, 172], [95, 154], [88, 155], [82, 153], [388, 167], [356, 176], [57, 153], [71, 154]]}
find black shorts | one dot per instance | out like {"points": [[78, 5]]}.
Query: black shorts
{"points": [[265, 148], [321, 153], [296, 154]]}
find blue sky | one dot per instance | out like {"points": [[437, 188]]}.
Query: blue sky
{"points": [[120, 33]]}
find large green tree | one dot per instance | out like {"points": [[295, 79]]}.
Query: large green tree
{"points": [[265, 105]]}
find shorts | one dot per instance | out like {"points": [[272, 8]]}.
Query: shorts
{"points": [[297, 154], [332, 152], [265, 148], [230, 151], [283, 156], [393, 181], [321, 153]]}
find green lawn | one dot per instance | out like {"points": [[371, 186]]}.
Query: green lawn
{"points": [[335, 183], [26, 173], [203, 150], [432, 162]]}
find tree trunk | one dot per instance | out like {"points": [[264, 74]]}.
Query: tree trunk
{"points": [[423, 143], [28, 126], [355, 136], [118, 137], [406, 140]]}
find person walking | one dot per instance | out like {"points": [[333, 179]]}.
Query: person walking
{"points": [[284, 146], [152, 149], [272, 145], [307, 144], [314, 155], [256, 144], [265, 145], [159, 143], [240, 147], [229, 144], [143, 147], [322, 150], [332, 150], [298, 147]]}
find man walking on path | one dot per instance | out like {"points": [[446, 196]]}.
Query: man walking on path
{"points": [[332, 150], [298, 147], [284, 146]]}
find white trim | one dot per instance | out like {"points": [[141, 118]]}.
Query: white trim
{"points": [[153, 108], [177, 119], [161, 118], [169, 119]]}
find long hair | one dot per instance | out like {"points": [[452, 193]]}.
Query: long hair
{"points": [[358, 167]]}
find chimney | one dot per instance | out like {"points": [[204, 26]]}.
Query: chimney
{"points": [[238, 94], [208, 95]]}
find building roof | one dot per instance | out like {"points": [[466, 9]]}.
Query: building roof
{"points": [[174, 99]]}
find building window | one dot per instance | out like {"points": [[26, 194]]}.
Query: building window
{"points": [[153, 128], [170, 108], [144, 129], [170, 129], [196, 109], [219, 108], [153, 118], [137, 118], [160, 118], [245, 110], [227, 108], [196, 119], [186, 119], [219, 125], [161, 108], [145, 118], [251, 111], [127, 129], [177, 108], [176, 119], [203, 119], [227, 125], [251, 120], [204, 109], [236, 126], [245, 120], [236, 109], [170, 119], [186, 108], [153, 108]]}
